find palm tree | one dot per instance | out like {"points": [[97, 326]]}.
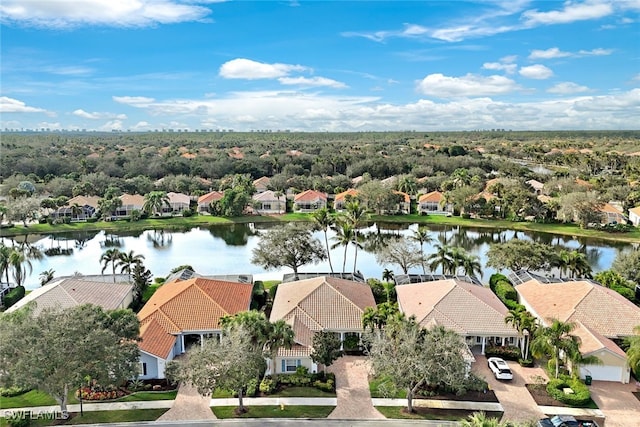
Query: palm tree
{"points": [[552, 341], [111, 256], [407, 184], [154, 201], [127, 260], [389, 288], [480, 419], [76, 210], [387, 275], [323, 221], [5, 253], [21, 265], [471, 265], [343, 237], [356, 215], [578, 265], [443, 258], [633, 353], [525, 323], [421, 235], [279, 335], [46, 276]]}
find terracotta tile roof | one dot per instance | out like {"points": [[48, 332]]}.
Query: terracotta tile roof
{"points": [[194, 305], [601, 309], [464, 307], [490, 182], [84, 200], [608, 207], [210, 197], [350, 192], [132, 199], [155, 339], [591, 341], [536, 185], [583, 183], [268, 196], [75, 291], [263, 180], [433, 197], [296, 350], [310, 196], [407, 198]]}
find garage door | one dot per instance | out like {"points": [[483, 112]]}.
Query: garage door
{"points": [[602, 373]]}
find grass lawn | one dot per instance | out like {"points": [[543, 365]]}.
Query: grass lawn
{"points": [[30, 398], [180, 223], [374, 384], [268, 284], [149, 395], [302, 392], [100, 417], [223, 412], [398, 412]]}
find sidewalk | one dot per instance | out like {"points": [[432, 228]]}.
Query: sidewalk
{"points": [[576, 412], [277, 401], [441, 404], [92, 407]]}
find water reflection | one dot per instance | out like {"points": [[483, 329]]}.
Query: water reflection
{"points": [[226, 249]]}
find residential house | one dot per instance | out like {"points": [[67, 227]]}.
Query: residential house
{"points": [[634, 216], [183, 313], [431, 203], [612, 214], [78, 209], [204, 201], [318, 304], [262, 184], [459, 304], [66, 292], [404, 206], [309, 201], [268, 202], [341, 199], [536, 185], [178, 202], [130, 203], [602, 316]]}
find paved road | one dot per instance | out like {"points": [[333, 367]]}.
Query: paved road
{"points": [[253, 422]]}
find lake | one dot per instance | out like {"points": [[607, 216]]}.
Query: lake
{"points": [[226, 249]]}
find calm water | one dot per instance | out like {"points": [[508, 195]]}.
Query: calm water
{"points": [[226, 249]]}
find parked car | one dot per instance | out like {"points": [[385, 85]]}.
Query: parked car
{"points": [[500, 368], [565, 421]]}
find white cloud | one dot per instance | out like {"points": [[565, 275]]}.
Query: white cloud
{"points": [[11, 105], [111, 125], [469, 85], [141, 126], [571, 12], [537, 71], [506, 64], [555, 52], [117, 13], [312, 82], [136, 101], [242, 68], [49, 125], [98, 116], [566, 88]]}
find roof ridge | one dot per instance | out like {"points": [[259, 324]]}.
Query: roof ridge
{"points": [[467, 290], [60, 285], [454, 284], [306, 314], [167, 317], [200, 279], [341, 294]]}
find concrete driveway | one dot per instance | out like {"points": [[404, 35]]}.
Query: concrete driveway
{"points": [[620, 407], [516, 401], [352, 389]]}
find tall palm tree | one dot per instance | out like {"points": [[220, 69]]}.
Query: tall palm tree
{"points": [[279, 335], [633, 353], [323, 221], [421, 235], [5, 253], [127, 260], [443, 258], [154, 201], [343, 237], [471, 265], [578, 265], [525, 323], [408, 184], [356, 215], [21, 265], [111, 256], [554, 340], [387, 275]]}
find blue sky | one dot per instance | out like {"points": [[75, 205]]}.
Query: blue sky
{"points": [[319, 66]]}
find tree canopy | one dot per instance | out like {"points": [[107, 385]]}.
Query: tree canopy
{"points": [[519, 254]]}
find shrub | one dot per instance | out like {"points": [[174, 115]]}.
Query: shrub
{"points": [[12, 391], [527, 363], [187, 213], [505, 291], [136, 385], [252, 388], [267, 385], [580, 397], [495, 278], [99, 393], [328, 386], [507, 352], [13, 296]]}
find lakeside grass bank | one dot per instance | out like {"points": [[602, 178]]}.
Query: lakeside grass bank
{"points": [[181, 223]]}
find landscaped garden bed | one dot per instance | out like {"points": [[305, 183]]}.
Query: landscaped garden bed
{"points": [[223, 412], [477, 392], [543, 398], [419, 413]]}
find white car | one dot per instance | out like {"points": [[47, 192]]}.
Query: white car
{"points": [[500, 368]]}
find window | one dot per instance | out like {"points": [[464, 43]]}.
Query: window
{"points": [[143, 368], [478, 340], [290, 365]]}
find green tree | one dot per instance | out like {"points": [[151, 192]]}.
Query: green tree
{"points": [[581, 207], [377, 317], [387, 275], [55, 351], [280, 335], [343, 237], [633, 353], [323, 220], [443, 257], [525, 323], [111, 256], [326, 348], [290, 246], [612, 280], [421, 235], [553, 341], [20, 265], [412, 357], [5, 265], [141, 277], [357, 216], [128, 260], [520, 255], [402, 252], [46, 276], [228, 364], [627, 264], [154, 202]]}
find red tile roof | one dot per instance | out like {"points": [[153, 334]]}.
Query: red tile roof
{"points": [[350, 192], [210, 197], [434, 197], [310, 196]]}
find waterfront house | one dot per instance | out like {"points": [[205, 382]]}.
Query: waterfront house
{"points": [[634, 216], [262, 184], [130, 203], [268, 202], [341, 199], [204, 201], [431, 204], [309, 201]]}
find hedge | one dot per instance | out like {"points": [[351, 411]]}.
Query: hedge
{"points": [[504, 352], [13, 296], [495, 278], [505, 291], [580, 397]]}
